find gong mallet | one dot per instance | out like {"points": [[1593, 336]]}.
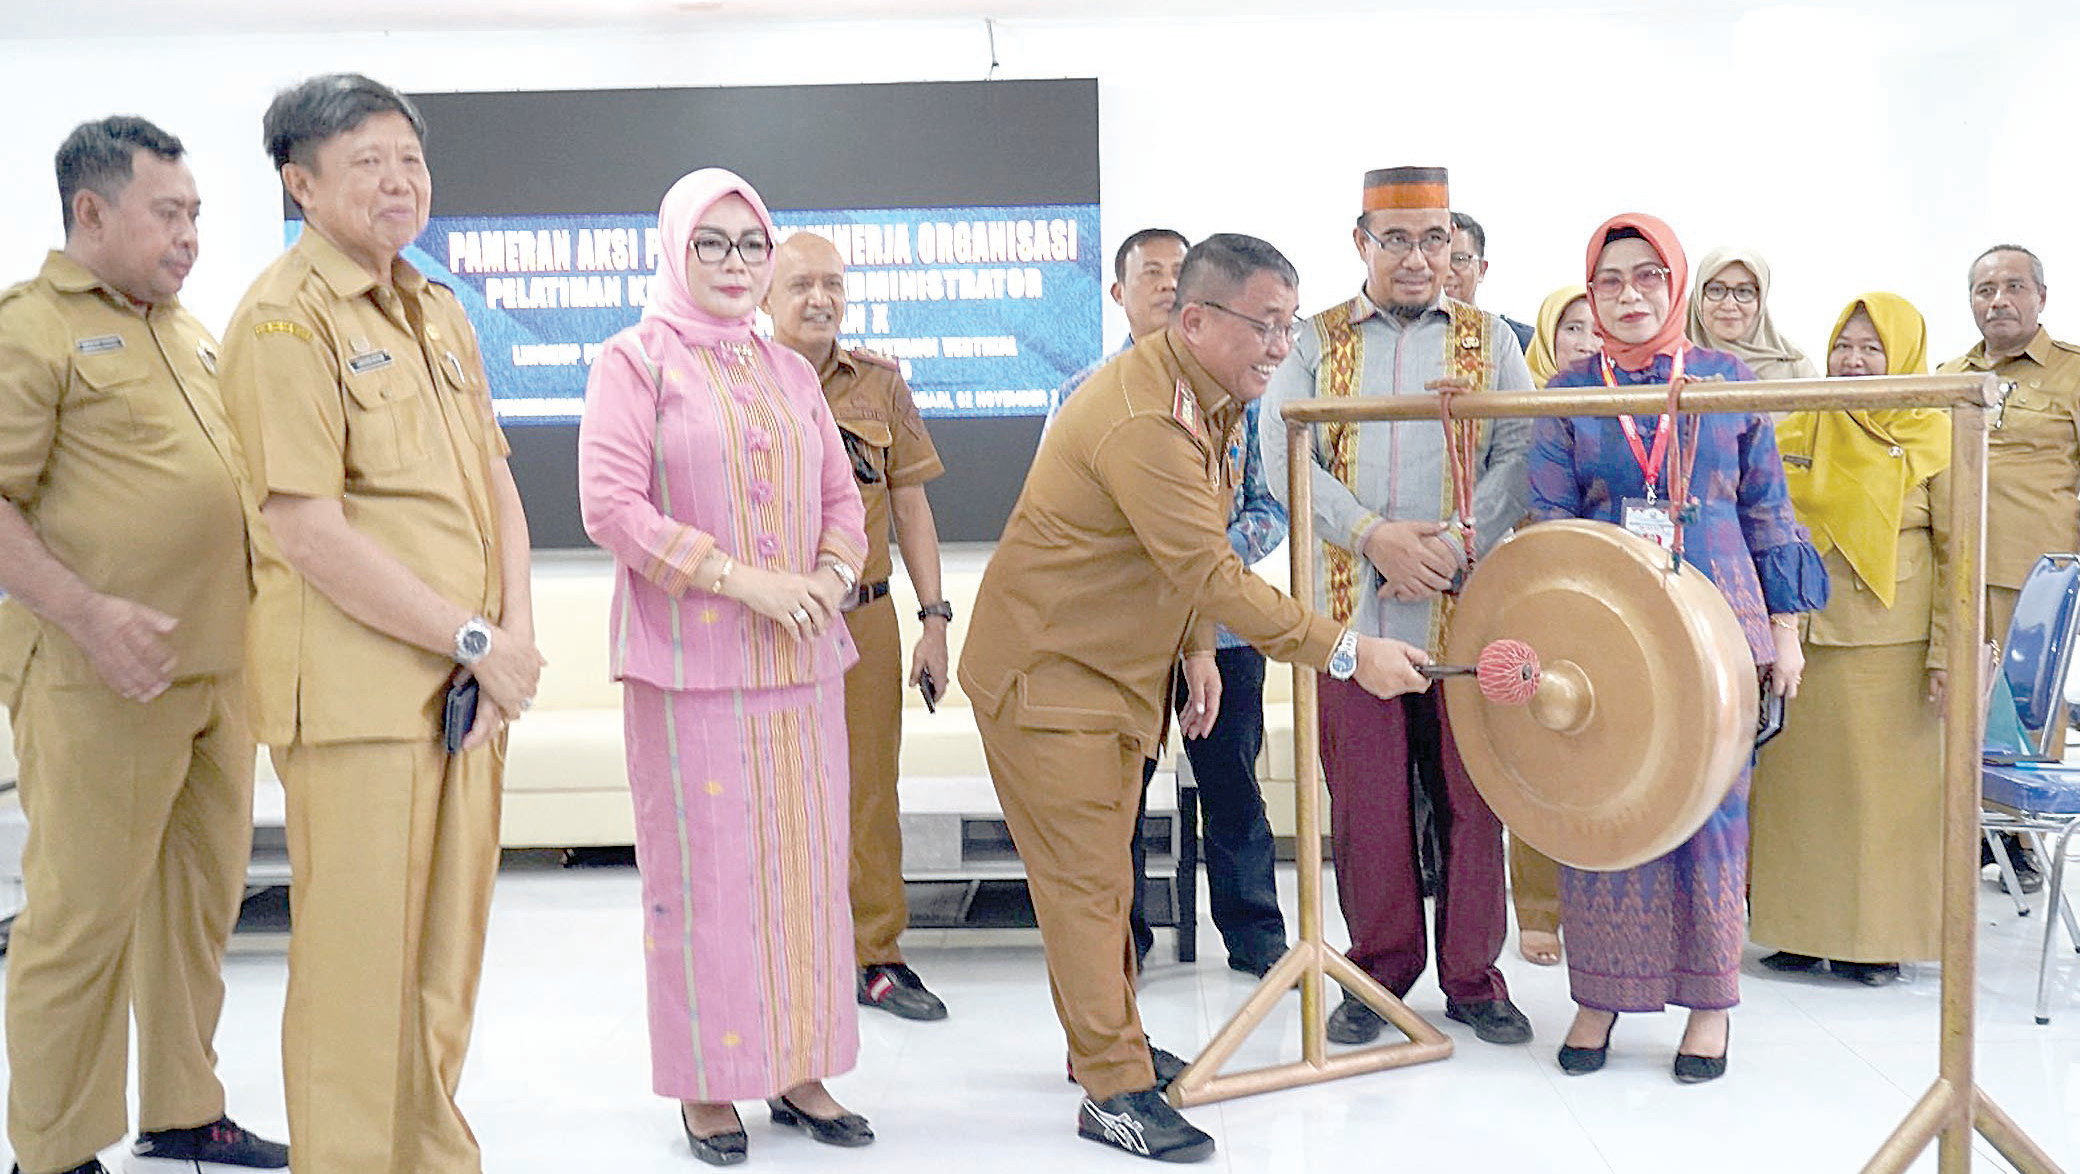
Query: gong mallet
{"points": [[1508, 673]]}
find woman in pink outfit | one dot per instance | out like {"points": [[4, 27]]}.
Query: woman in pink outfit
{"points": [[711, 469]]}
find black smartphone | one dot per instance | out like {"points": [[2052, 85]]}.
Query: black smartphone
{"points": [[930, 688], [458, 713], [1769, 721]]}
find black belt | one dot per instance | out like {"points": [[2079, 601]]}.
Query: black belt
{"points": [[867, 593]]}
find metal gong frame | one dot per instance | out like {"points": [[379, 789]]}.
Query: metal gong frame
{"points": [[1954, 1106]]}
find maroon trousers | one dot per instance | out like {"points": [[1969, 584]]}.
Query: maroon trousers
{"points": [[1374, 754]]}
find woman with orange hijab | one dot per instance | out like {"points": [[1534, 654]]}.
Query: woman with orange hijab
{"points": [[1670, 931]]}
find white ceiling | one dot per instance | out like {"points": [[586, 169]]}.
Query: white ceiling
{"points": [[74, 18]]}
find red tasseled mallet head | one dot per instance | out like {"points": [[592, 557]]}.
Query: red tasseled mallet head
{"points": [[1507, 672]]}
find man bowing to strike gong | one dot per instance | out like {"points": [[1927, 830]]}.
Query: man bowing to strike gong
{"points": [[1114, 570]]}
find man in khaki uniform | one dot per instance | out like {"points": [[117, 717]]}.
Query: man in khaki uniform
{"points": [[398, 551], [892, 458], [2033, 443], [1114, 570], [123, 518], [2032, 447]]}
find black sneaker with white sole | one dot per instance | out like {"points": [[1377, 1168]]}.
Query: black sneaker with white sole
{"points": [[216, 1148], [1143, 1124]]}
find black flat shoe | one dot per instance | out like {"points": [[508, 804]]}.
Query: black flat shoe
{"points": [[1786, 962], [1867, 973], [1581, 1061], [1691, 1069], [848, 1129], [727, 1148]]}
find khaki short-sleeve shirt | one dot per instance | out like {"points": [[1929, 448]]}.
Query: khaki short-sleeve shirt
{"points": [[115, 446], [2032, 457], [375, 395], [887, 438]]}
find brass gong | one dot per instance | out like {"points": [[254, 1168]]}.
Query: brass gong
{"points": [[1646, 703]]}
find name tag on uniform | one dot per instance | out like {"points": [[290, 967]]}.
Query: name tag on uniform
{"points": [[99, 345], [1650, 520], [372, 361]]}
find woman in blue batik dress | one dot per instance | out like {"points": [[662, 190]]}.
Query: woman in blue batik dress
{"points": [[1669, 932]]}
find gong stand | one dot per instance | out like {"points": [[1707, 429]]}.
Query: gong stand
{"points": [[1954, 1106]]}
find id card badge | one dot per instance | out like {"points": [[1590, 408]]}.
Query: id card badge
{"points": [[1650, 520]]}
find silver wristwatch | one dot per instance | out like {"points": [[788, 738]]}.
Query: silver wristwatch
{"points": [[472, 641], [846, 575], [1343, 659]]}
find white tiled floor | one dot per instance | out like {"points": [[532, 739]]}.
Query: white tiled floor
{"points": [[1820, 1072]]}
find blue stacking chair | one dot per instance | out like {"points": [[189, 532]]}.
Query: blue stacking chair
{"points": [[2024, 781]]}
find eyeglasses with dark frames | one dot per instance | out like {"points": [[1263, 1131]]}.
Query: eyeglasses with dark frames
{"points": [[712, 247], [1270, 332]]}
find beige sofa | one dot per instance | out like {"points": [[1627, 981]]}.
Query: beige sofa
{"points": [[566, 785]]}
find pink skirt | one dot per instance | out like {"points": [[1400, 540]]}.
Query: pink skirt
{"points": [[741, 835]]}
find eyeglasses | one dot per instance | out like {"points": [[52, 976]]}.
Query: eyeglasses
{"points": [[1609, 283], [1270, 332], [711, 248], [1398, 243], [1719, 291], [1465, 261]]}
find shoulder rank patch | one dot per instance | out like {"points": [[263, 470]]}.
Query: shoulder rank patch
{"points": [[100, 344], [282, 326], [875, 358], [1185, 408]]}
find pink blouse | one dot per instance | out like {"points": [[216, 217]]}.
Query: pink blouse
{"points": [[728, 447]]}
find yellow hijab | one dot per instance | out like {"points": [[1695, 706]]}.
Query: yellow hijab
{"points": [[1543, 361], [1858, 466]]}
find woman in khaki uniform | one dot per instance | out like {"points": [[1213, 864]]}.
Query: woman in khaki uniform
{"points": [[1847, 804]]}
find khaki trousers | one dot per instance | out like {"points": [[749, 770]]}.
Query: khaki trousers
{"points": [[1534, 888], [394, 847], [140, 826], [2000, 608], [1070, 800], [874, 729]]}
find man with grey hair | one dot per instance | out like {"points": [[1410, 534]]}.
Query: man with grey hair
{"points": [[2032, 445], [395, 577], [1128, 500], [123, 529]]}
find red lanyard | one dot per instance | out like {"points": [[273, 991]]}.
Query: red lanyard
{"points": [[1649, 464]]}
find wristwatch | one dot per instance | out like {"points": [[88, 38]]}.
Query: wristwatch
{"points": [[942, 609], [846, 575], [1343, 660], [472, 641]]}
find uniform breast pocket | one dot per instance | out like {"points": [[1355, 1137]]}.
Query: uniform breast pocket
{"points": [[109, 397], [386, 423], [867, 443], [473, 401]]}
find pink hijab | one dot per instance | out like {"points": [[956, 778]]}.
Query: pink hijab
{"points": [[684, 205], [1637, 356]]}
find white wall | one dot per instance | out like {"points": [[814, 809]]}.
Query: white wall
{"points": [[1858, 150]]}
